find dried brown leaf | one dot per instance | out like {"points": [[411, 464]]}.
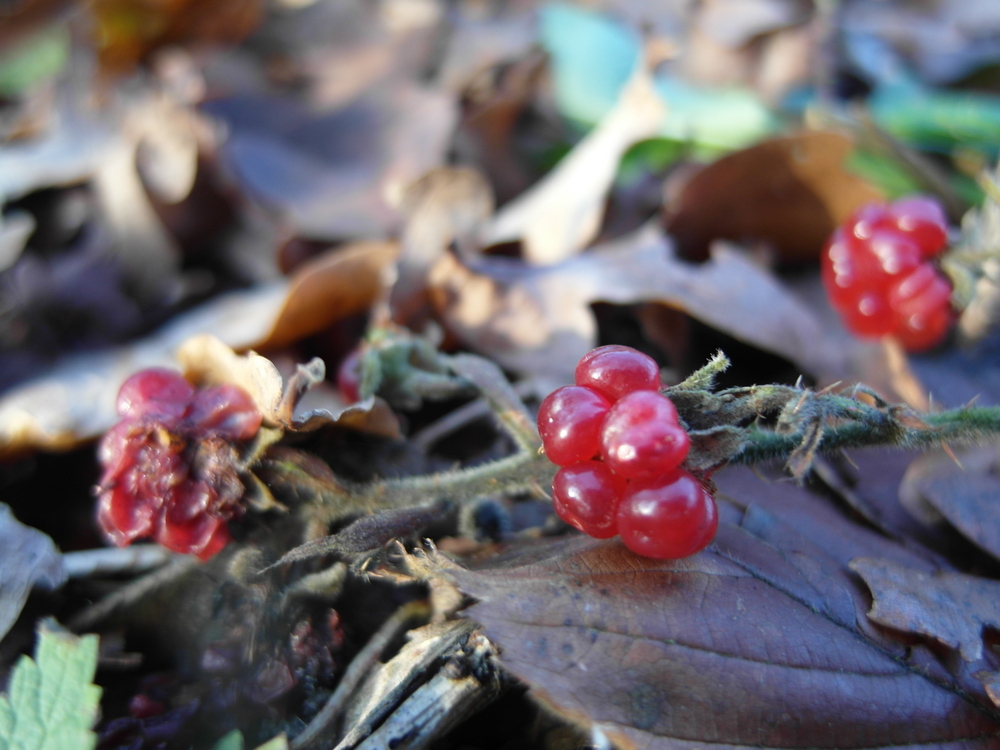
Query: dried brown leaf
{"points": [[950, 607], [935, 487], [538, 319], [333, 286], [755, 642], [790, 192], [205, 359], [29, 558]]}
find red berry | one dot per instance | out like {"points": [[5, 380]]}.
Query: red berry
{"points": [[896, 254], [225, 410], [867, 219], [870, 315], [641, 436], [154, 391], [614, 371], [586, 496], [349, 376], [569, 422], [667, 518], [922, 304], [173, 473], [923, 221]]}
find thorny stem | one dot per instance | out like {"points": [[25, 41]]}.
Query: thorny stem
{"points": [[724, 426], [964, 426]]}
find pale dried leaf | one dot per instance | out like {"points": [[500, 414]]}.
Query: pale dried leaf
{"points": [[29, 558], [75, 401], [560, 215], [207, 360], [538, 320], [950, 607]]}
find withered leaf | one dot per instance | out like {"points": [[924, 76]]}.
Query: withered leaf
{"points": [[29, 558], [951, 607], [965, 494], [790, 191], [205, 359], [538, 320], [759, 641]]}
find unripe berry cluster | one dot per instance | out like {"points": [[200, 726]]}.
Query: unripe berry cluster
{"points": [[169, 468], [879, 275], [620, 445]]}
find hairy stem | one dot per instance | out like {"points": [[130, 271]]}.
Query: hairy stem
{"points": [[956, 426]]}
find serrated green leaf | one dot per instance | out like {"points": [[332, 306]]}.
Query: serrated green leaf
{"points": [[51, 702]]}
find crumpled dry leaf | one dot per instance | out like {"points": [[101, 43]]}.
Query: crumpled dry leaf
{"points": [[537, 320], [207, 360], [75, 401], [950, 607], [936, 488], [562, 213], [330, 287], [339, 174], [759, 641], [29, 558], [791, 192], [447, 205]]}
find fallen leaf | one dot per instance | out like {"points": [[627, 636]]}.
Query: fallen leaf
{"points": [[538, 320], [562, 213], [75, 400], [335, 175], [742, 645], [936, 488], [789, 192], [331, 287], [207, 360], [444, 207], [29, 558], [950, 607]]}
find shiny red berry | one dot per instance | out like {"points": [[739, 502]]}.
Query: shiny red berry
{"points": [[614, 371], [870, 315], [923, 221], [641, 436], [569, 423], [586, 496], [668, 518], [154, 391], [922, 305]]}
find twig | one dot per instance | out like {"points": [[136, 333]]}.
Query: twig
{"points": [[113, 561], [323, 725]]}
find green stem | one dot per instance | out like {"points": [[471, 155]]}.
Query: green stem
{"points": [[957, 426], [518, 473]]}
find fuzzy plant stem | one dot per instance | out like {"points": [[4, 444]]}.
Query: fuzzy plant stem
{"points": [[964, 426], [521, 472]]}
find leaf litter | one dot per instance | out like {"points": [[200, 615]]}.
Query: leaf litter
{"points": [[432, 183]]}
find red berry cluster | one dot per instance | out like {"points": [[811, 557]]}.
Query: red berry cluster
{"points": [[879, 275], [168, 469], [620, 446]]}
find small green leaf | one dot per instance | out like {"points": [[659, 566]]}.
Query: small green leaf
{"points": [[232, 741], [51, 702], [40, 57]]}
